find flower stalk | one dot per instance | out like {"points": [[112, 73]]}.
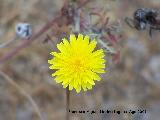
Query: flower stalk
{"points": [[67, 103]]}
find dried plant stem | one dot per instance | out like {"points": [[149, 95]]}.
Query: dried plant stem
{"points": [[29, 41], [35, 36], [23, 92], [5, 44], [106, 47], [67, 103], [77, 21]]}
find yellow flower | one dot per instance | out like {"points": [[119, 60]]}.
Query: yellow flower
{"points": [[77, 64]]}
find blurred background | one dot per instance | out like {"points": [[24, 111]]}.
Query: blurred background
{"points": [[131, 84]]}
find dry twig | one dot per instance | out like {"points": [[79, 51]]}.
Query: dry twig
{"points": [[23, 92]]}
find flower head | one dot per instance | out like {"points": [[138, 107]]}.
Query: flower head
{"points": [[77, 64]]}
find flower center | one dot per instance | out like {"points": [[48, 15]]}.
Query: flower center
{"points": [[78, 65]]}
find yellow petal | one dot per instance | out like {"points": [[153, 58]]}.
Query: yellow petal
{"points": [[59, 79], [99, 70], [71, 86], [72, 39], [92, 45], [77, 64], [89, 86], [86, 39], [91, 81], [78, 88], [65, 41], [80, 38]]}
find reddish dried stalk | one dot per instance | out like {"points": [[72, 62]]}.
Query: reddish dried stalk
{"points": [[60, 19], [39, 33], [29, 41]]}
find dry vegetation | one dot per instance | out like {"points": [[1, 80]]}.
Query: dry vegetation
{"points": [[131, 82]]}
